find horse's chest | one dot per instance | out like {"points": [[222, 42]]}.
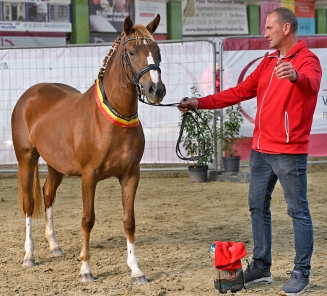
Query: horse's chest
{"points": [[126, 146]]}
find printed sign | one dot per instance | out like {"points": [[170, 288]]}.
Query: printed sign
{"points": [[146, 11], [210, 17], [108, 15]]}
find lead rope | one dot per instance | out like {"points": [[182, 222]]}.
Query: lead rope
{"points": [[205, 146]]}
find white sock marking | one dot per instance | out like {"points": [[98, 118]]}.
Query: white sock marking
{"points": [[49, 229], [29, 245], [132, 261]]}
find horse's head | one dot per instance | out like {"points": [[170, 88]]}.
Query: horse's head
{"points": [[141, 59]]}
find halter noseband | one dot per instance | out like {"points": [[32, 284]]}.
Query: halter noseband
{"points": [[136, 77]]}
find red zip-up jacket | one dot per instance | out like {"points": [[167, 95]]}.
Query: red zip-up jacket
{"points": [[284, 109]]}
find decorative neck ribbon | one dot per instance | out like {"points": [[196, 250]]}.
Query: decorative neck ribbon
{"points": [[109, 112]]}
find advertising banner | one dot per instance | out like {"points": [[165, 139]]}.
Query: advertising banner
{"points": [[146, 11], [31, 39], [303, 9], [265, 8], [35, 27], [305, 12], [210, 17], [108, 15], [35, 16]]}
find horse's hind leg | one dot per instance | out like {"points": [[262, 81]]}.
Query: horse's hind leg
{"points": [[27, 176], [51, 184]]}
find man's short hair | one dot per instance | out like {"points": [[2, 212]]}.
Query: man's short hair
{"points": [[286, 15]]}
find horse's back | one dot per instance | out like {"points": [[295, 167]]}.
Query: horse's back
{"points": [[44, 94]]}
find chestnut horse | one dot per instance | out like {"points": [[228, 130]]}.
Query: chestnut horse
{"points": [[95, 135]]}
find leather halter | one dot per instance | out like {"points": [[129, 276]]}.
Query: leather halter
{"points": [[136, 77], [101, 98]]}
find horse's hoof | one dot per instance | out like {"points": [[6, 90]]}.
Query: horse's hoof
{"points": [[56, 253], [28, 262], [86, 278], [139, 280]]}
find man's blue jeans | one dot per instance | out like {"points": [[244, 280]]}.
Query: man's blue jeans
{"points": [[291, 171]]}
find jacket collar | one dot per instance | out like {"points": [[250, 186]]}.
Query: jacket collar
{"points": [[293, 51]]}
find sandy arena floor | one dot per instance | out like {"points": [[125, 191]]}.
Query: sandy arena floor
{"points": [[176, 222]]}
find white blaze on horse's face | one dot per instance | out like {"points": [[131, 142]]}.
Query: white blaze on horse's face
{"points": [[153, 73]]}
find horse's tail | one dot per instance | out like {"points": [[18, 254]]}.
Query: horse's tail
{"points": [[37, 211]]}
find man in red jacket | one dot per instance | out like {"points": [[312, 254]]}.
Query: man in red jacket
{"points": [[286, 84]]}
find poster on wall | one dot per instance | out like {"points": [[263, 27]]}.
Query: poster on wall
{"points": [[31, 39], [209, 17], [265, 8], [303, 9], [109, 15], [27, 15], [305, 12], [146, 11]]}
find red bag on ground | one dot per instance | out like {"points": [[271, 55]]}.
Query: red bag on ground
{"points": [[228, 255]]}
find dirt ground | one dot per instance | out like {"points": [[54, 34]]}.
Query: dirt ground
{"points": [[176, 223]]}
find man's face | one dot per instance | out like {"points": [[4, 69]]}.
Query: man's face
{"points": [[274, 31]]}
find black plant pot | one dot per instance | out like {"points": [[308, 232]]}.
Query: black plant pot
{"points": [[198, 174], [232, 163]]}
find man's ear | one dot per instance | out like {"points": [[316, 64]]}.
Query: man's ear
{"points": [[286, 28]]}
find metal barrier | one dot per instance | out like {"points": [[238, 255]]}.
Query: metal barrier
{"points": [[184, 64]]}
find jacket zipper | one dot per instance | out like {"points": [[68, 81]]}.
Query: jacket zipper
{"points": [[263, 99], [287, 127], [286, 113]]}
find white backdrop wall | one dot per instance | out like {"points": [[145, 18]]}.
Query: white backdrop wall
{"points": [[184, 64]]}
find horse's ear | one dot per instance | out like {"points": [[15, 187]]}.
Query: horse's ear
{"points": [[128, 26], [152, 27]]}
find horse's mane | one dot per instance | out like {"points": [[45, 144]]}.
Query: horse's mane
{"points": [[139, 31]]}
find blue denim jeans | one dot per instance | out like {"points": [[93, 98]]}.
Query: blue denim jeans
{"points": [[291, 171]]}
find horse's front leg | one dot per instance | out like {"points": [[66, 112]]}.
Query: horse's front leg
{"points": [[129, 186], [88, 219], [29, 245]]}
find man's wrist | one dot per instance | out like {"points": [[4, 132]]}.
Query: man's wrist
{"points": [[294, 78]]}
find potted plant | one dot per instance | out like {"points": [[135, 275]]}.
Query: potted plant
{"points": [[197, 133], [229, 133]]}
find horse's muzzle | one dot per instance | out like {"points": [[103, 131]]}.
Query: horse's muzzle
{"points": [[156, 92]]}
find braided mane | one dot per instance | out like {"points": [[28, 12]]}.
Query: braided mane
{"points": [[139, 32], [106, 60]]}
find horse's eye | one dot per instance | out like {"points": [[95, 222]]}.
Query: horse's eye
{"points": [[132, 53]]}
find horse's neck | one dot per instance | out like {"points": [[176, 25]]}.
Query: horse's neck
{"points": [[120, 92]]}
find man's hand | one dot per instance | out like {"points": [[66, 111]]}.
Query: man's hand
{"points": [[187, 104], [285, 70]]}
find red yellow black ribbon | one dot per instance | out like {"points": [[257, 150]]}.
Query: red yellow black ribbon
{"points": [[111, 114]]}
